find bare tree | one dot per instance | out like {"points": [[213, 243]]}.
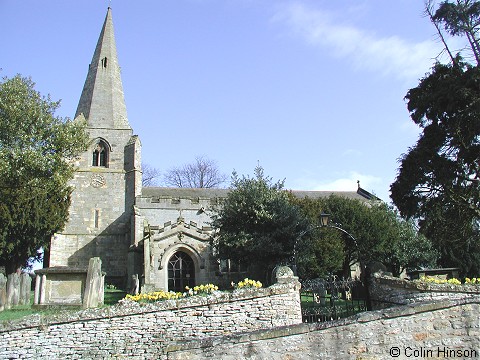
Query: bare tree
{"points": [[202, 173], [150, 175]]}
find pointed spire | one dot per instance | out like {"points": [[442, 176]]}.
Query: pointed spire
{"points": [[102, 102]]}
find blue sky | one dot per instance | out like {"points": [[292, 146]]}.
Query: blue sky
{"points": [[313, 90]]}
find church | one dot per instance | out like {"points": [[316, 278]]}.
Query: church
{"points": [[158, 235]]}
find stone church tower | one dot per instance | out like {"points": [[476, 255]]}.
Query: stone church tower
{"points": [[108, 174], [161, 236]]}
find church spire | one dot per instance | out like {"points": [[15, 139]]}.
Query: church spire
{"points": [[102, 102]]}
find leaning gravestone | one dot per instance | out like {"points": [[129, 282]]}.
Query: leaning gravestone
{"points": [[94, 284], [3, 292]]}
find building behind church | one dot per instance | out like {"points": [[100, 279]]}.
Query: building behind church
{"points": [[160, 235]]}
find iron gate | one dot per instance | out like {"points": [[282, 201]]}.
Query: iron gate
{"points": [[332, 298]]}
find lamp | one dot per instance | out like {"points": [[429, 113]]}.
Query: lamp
{"points": [[324, 217]]}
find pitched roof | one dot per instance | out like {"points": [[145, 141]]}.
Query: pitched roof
{"points": [[102, 101], [183, 193], [203, 193]]}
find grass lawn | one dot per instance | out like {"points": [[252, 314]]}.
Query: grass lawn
{"points": [[340, 306], [17, 312]]}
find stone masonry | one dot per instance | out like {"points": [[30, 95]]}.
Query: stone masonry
{"points": [[388, 291], [258, 324], [144, 331], [448, 329], [138, 233]]}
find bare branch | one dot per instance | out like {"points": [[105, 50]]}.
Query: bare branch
{"points": [[202, 173], [429, 8], [150, 175]]}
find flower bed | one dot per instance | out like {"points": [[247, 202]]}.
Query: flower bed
{"points": [[247, 283], [453, 281], [202, 290]]}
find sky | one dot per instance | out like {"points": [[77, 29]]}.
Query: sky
{"points": [[311, 90]]}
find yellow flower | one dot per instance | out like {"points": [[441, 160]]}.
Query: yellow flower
{"points": [[247, 283], [454, 281]]}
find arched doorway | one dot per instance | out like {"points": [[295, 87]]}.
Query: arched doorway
{"points": [[181, 272]]}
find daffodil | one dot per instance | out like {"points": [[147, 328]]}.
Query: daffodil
{"points": [[247, 283]]}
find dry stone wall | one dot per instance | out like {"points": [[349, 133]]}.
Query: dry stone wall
{"points": [[250, 324], [388, 291], [144, 331], [438, 330]]}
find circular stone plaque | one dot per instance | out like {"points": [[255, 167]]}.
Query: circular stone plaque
{"points": [[98, 180]]}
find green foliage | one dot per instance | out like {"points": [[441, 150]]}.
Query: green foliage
{"points": [[410, 249], [460, 18], [356, 218], [36, 154], [438, 182], [256, 223], [378, 235], [320, 252]]}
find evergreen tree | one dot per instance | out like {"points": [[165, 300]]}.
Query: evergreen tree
{"points": [[438, 182], [372, 232], [256, 223], [37, 150]]}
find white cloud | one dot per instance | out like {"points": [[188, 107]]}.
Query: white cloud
{"points": [[344, 182], [390, 55], [349, 182]]}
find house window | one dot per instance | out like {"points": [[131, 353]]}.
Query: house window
{"points": [[231, 266], [100, 155]]}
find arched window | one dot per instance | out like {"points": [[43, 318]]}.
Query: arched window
{"points": [[100, 155]]}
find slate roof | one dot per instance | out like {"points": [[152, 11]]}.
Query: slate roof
{"points": [[189, 193]]}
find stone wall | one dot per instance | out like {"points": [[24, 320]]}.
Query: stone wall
{"points": [[388, 291], [247, 324], [448, 329], [143, 331]]}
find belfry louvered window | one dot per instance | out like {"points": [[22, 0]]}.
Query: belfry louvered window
{"points": [[100, 155]]}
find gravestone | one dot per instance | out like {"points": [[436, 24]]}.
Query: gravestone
{"points": [[25, 289], [63, 286], [13, 290], [135, 285], [3, 292], [94, 284]]}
